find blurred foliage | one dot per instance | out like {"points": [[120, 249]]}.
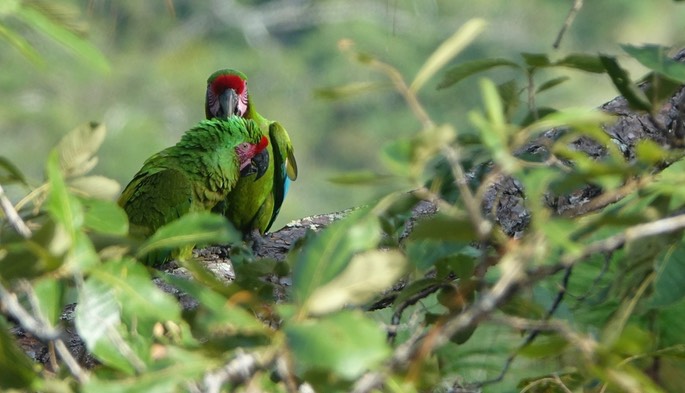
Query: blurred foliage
{"points": [[471, 296]]}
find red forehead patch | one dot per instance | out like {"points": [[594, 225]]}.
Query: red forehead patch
{"points": [[224, 82]]}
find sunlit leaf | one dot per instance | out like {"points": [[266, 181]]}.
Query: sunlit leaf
{"points": [[95, 186], [98, 319], [359, 344], [447, 50], [330, 252], [77, 149], [63, 207], [367, 274]]}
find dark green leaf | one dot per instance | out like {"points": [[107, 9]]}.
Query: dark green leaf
{"points": [[668, 286], [325, 256], [345, 344], [443, 227], [635, 97], [10, 174], [552, 83], [16, 370], [655, 57], [466, 69], [545, 346], [536, 59], [192, 229], [583, 62]]}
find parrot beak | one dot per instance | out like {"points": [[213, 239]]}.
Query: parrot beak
{"points": [[261, 163], [228, 102], [258, 165]]}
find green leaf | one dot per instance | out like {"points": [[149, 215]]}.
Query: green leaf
{"points": [[62, 206], [88, 53], [463, 70], [350, 90], [16, 369], [98, 320], [364, 177], [77, 149], [322, 259], [22, 45], [98, 187], [216, 314], [447, 50], [50, 295], [443, 227], [12, 173], [174, 371], [635, 97], [650, 152], [655, 57], [118, 308], [105, 217], [583, 62], [536, 59], [545, 346], [366, 276], [552, 83], [191, 229], [668, 286], [345, 344]]}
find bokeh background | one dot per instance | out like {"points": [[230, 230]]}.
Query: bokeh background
{"points": [[160, 53]]}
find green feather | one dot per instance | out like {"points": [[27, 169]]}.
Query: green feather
{"points": [[192, 176]]}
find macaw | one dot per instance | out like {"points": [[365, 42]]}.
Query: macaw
{"points": [[252, 206], [194, 175]]}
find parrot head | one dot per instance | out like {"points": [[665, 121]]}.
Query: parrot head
{"points": [[253, 158], [226, 94]]}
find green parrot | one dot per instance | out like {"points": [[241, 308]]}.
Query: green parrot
{"points": [[194, 175], [252, 206]]}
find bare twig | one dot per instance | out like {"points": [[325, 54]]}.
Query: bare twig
{"points": [[577, 5], [37, 326], [12, 216]]}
